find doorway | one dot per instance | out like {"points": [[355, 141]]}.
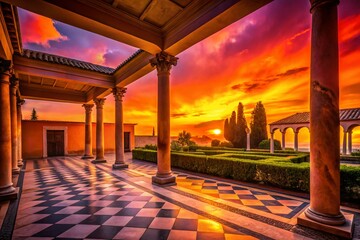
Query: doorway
{"points": [[55, 143], [127, 141]]}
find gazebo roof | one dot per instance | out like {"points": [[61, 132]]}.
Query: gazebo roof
{"points": [[345, 115]]}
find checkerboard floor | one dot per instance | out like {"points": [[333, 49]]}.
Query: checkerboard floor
{"points": [[71, 198]]}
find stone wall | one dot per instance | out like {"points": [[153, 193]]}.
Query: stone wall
{"points": [[141, 141]]}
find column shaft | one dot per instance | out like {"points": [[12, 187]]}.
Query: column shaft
{"points": [[7, 190], [119, 129], [350, 141], [14, 83], [163, 63], [20, 102], [344, 143], [99, 102], [283, 139], [271, 142], [324, 116], [296, 141], [88, 131], [247, 141]]}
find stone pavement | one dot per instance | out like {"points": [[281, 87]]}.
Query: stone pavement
{"points": [[71, 198]]}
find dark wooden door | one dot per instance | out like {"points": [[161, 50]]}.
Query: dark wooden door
{"points": [[55, 143], [126, 141]]}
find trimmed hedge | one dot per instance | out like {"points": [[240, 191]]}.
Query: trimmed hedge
{"points": [[275, 170]]}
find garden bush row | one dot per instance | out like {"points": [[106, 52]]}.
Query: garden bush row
{"points": [[276, 171]]}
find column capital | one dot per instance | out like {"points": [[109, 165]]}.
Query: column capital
{"points": [[118, 93], [5, 67], [88, 107], [163, 62], [99, 102], [20, 102], [14, 85], [318, 3]]}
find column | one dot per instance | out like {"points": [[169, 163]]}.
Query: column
{"points": [[283, 139], [119, 129], [163, 63], [271, 142], [99, 102], [296, 141], [324, 115], [88, 131], [248, 132], [20, 102], [344, 143], [14, 84], [350, 141], [7, 190]]}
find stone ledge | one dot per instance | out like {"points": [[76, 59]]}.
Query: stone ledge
{"points": [[342, 231], [164, 181]]}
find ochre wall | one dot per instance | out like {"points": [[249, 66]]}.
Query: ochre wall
{"points": [[32, 137]]}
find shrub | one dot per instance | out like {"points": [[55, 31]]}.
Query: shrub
{"points": [[265, 144], [175, 146], [355, 153], [226, 144], [215, 143], [151, 147]]}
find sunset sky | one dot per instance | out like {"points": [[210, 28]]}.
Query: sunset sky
{"points": [[263, 57]]}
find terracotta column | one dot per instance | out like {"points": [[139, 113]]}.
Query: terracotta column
{"points": [[324, 115], [283, 139], [163, 63], [99, 102], [272, 142], [344, 143], [88, 131], [296, 141], [119, 129], [7, 190], [14, 85], [350, 141], [20, 102]]}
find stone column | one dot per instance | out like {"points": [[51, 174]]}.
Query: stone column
{"points": [[14, 85], [7, 190], [283, 139], [99, 102], [324, 115], [88, 131], [20, 102], [296, 141], [248, 132], [272, 142], [344, 143], [163, 63], [350, 141], [119, 129]]}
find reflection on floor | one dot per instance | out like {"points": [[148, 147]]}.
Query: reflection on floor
{"points": [[68, 197]]}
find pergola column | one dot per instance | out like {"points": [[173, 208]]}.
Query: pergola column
{"points": [[88, 131], [344, 143], [119, 129], [20, 102], [163, 63], [99, 102], [324, 116], [272, 142], [7, 190], [296, 141], [248, 132], [350, 141], [283, 139], [14, 85]]}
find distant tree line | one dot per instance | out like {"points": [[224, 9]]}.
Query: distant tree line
{"points": [[235, 127]]}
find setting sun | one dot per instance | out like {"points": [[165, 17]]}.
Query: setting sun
{"points": [[216, 131]]}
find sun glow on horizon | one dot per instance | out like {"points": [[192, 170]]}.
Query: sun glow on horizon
{"points": [[216, 131]]}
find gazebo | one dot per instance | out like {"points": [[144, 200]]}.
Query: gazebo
{"points": [[161, 30], [349, 119]]}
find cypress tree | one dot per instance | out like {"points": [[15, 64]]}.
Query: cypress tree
{"points": [[232, 127], [258, 125], [240, 138], [226, 130], [34, 115]]}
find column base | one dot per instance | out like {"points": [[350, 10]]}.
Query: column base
{"points": [[15, 171], [344, 230], [98, 161], [9, 193], [20, 163], [87, 157], [120, 166], [164, 181]]}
